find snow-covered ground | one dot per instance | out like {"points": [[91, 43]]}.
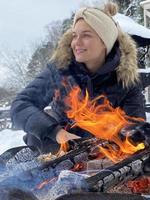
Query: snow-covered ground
{"points": [[11, 138]]}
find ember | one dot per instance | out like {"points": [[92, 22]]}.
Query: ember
{"points": [[141, 185], [103, 121], [41, 185], [78, 167]]}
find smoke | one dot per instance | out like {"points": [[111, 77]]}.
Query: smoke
{"points": [[23, 172]]}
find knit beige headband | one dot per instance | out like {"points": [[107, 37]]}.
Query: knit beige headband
{"points": [[101, 22]]}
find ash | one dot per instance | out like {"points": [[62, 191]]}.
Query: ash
{"points": [[68, 182], [24, 160]]}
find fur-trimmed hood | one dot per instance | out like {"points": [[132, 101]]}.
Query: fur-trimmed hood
{"points": [[126, 71]]}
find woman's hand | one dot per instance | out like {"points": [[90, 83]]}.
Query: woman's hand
{"points": [[64, 136]]}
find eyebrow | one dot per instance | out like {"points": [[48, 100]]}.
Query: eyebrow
{"points": [[86, 31]]}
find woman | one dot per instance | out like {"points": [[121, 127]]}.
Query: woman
{"points": [[95, 55]]}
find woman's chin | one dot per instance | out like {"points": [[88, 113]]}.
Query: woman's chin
{"points": [[80, 60]]}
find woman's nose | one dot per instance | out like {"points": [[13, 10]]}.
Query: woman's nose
{"points": [[78, 40]]}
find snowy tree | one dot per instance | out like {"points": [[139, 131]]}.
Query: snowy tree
{"points": [[131, 8], [39, 59], [43, 52], [54, 32], [5, 96], [16, 64]]}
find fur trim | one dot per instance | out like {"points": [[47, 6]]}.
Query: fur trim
{"points": [[63, 53], [126, 71]]}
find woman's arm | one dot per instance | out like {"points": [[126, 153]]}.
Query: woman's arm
{"points": [[27, 110]]}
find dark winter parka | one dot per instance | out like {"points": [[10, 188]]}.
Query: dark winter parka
{"points": [[117, 79]]}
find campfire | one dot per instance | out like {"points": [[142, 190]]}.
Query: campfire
{"points": [[117, 152], [104, 122]]}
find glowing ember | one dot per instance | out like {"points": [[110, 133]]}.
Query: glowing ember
{"points": [[41, 185], [78, 167], [141, 185], [103, 121]]}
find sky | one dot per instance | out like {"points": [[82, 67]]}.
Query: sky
{"points": [[23, 25], [23, 22]]}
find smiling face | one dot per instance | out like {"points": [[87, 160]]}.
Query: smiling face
{"points": [[87, 46]]}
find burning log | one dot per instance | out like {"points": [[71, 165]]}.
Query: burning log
{"points": [[81, 151], [127, 169]]}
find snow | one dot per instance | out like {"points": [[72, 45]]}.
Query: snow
{"points": [[10, 138], [4, 108], [144, 70], [145, 2], [148, 117], [130, 26]]}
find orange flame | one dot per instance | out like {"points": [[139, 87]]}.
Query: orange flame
{"points": [[103, 121], [64, 147]]}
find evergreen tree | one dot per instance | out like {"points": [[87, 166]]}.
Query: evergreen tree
{"points": [[131, 8]]}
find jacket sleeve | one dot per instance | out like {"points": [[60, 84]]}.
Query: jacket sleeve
{"points": [[27, 110], [134, 102]]}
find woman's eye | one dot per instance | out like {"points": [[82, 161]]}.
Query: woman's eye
{"points": [[86, 35], [81, 36], [74, 36]]}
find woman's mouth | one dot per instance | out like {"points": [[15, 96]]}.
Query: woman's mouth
{"points": [[79, 51]]}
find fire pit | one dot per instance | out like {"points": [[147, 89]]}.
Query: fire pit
{"points": [[50, 180]]}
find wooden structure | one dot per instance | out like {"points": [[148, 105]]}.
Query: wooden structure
{"points": [[146, 7]]}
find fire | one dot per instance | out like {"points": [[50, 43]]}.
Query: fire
{"points": [[64, 147], [103, 121]]}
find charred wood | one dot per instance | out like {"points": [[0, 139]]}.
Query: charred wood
{"points": [[29, 171], [128, 169]]}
